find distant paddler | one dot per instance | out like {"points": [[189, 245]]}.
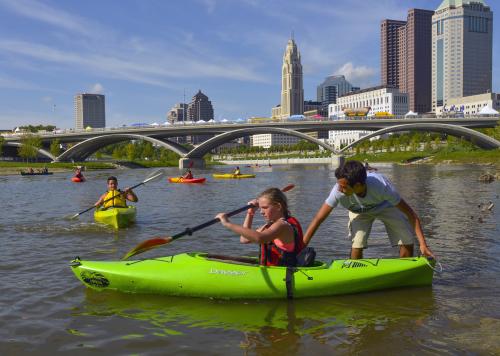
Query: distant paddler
{"points": [[114, 197]]}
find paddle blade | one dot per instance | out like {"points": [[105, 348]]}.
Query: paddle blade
{"points": [[147, 245], [287, 188]]}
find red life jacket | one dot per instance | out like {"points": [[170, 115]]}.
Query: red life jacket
{"points": [[272, 255]]}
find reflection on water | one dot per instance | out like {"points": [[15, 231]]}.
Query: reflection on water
{"points": [[43, 307], [341, 322]]}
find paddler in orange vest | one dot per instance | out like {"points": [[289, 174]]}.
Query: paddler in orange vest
{"points": [[114, 197]]}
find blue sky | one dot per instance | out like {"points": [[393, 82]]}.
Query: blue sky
{"points": [[143, 54]]}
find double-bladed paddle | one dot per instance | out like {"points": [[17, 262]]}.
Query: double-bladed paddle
{"points": [[158, 241], [155, 175]]}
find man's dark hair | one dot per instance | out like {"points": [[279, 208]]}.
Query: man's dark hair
{"points": [[112, 178], [353, 171]]}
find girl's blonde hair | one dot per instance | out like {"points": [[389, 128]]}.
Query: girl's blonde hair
{"points": [[276, 196]]}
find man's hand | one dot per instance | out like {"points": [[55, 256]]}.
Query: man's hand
{"points": [[426, 251]]}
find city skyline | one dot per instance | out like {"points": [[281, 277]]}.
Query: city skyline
{"points": [[145, 55]]}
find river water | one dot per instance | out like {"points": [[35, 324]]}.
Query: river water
{"points": [[44, 309]]}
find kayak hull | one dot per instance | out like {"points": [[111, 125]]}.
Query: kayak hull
{"points": [[116, 217], [77, 180], [232, 176], [209, 276], [185, 180]]}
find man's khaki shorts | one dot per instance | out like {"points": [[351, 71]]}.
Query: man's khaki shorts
{"points": [[396, 223]]}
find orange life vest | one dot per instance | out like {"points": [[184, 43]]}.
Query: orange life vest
{"points": [[272, 255]]}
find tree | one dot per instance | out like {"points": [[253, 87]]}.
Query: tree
{"points": [[30, 144], [55, 148], [2, 140], [148, 150], [131, 151]]}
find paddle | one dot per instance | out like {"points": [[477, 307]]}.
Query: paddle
{"points": [[158, 241], [155, 175]]}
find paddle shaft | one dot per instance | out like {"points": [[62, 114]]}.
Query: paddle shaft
{"points": [[190, 230]]}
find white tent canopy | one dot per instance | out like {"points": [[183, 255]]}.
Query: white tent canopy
{"points": [[487, 110], [155, 124], [411, 113]]}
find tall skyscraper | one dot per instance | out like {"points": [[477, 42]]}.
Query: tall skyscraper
{"points": [[200, 108], [406, 57], [389, 52], [462, 36], [89, 111], [292, 92]]}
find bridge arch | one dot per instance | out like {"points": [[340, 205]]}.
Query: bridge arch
{"points": [[84, 149], [218, 140], [477, 138], [41, 151]]}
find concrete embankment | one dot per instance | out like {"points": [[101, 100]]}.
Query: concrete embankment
{"points": [[334, 161]]}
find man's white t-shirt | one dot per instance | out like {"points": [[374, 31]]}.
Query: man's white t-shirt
{"points": [[380, 194]]}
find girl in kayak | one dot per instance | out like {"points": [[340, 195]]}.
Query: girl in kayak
{"points": [[280, 238], [114, 197]]}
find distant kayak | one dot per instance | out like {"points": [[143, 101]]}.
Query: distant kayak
{"points": [[116, 217], [232, 176], [186, 180], [78, 179], [36, 173]]}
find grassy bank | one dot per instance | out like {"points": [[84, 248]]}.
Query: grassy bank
{"points": [[436, 156], [66, 165]]}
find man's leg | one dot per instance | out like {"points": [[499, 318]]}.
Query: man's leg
{"points": [[360, 226], [398, 229]]}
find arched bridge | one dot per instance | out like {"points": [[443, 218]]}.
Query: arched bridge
{"points": [[82, 150], [477, 138], [90, 142]]}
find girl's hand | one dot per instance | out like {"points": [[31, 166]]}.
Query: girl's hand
{"points": [[223, 218]]}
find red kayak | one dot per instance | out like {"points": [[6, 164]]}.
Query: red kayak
{"points": [[186, 180], [78, 179]]}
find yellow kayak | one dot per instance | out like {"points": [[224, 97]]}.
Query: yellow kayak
{"points": [[232, 176], [116, 217]]}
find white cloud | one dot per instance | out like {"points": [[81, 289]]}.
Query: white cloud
{"points": [[360, 74], [97, 88], [55, 17], [140, 68]]}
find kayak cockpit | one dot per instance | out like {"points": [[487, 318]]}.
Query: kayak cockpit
{"points": [[245, 260]]}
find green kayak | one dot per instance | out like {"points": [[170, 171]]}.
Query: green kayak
{"points": [[116, 217], [215, 276]]}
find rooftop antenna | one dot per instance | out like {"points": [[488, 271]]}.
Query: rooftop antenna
{"points": [[292, 36]]}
